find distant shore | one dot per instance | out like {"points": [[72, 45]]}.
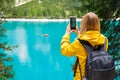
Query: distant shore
{"points": [[42, 20]]}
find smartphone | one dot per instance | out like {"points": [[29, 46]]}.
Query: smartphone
{"points": [[72, 22]]}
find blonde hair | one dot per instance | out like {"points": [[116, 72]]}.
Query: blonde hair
{"points": [[90, 22]]}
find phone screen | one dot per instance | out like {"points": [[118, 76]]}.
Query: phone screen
{"points": [[73, 22]]}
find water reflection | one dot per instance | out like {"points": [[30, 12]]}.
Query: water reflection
{"points": [[43, 45], [38, 57], [22, 51]]}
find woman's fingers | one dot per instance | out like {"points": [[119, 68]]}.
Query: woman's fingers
{"points": [[68, 30]]}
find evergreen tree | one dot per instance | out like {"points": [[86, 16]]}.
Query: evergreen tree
{"points": [[6, 71]]}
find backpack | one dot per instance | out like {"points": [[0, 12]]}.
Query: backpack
{"points": [[99, 64]]}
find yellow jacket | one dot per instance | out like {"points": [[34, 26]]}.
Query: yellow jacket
{"points": [[76, 48]]}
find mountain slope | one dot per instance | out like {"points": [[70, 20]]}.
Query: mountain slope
{"points": [[45, 9]]}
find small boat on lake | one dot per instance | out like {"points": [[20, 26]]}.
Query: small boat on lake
{"points": [[44, 35]]}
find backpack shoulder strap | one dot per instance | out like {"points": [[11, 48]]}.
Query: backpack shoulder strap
{"points": [[77, 64], [86, 45], [104, 46]]}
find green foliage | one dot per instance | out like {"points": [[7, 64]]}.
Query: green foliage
{"points": [[111, 29], [63, 8], [104, 8], [6, 71], [45, 9], [5, 6]]}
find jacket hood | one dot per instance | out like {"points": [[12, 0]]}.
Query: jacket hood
{"points": [[93, 37]]}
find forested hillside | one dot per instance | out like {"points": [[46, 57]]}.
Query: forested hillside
{"points": [[61, 8], [46, 9]]}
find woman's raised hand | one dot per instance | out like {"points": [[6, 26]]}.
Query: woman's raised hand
{"points": [[68, 30]]}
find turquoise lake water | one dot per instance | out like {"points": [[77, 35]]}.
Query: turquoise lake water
{"points": [[38, 57]]}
